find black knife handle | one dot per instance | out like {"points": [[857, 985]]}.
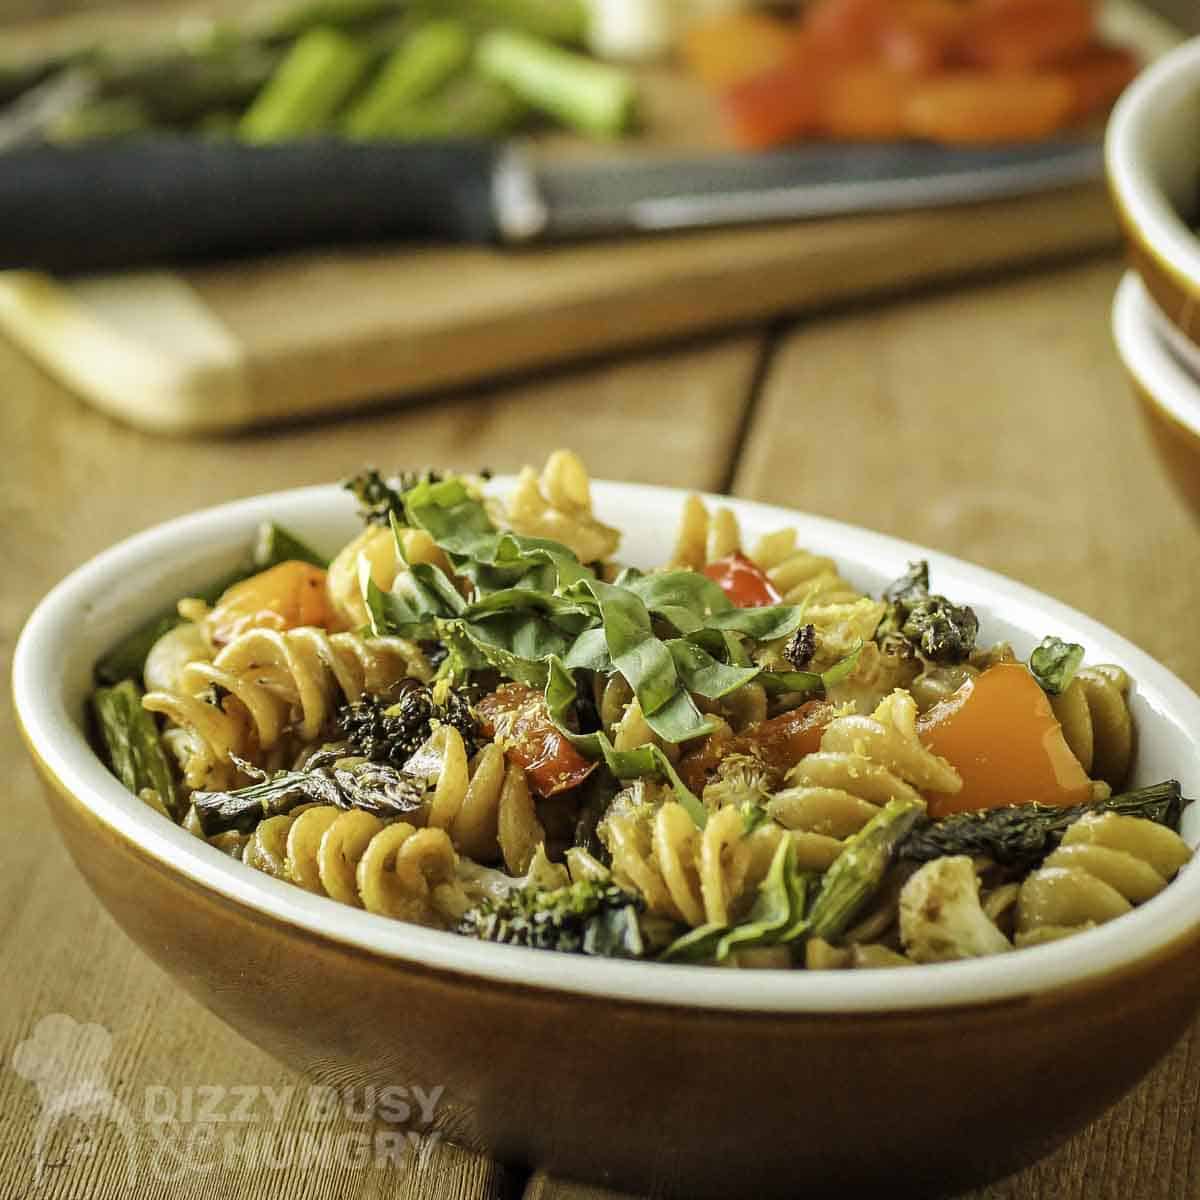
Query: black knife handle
{"points": [[126, 203]]}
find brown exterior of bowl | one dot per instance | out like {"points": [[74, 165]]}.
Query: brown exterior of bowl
{"points": [[1177, 296], [685, 1101], [1177, 445]]}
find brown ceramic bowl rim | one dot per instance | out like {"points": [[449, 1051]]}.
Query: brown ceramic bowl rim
{"points": [[105, 598], [1150, 220], [1156, 370]]}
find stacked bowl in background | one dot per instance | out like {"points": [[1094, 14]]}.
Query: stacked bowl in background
{"points": [[1153, 162]]}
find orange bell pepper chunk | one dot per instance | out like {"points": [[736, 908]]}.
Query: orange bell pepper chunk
{"points": [[1000, 733], [973, 107], [285, 596], [736, 46], [1020, 35]]}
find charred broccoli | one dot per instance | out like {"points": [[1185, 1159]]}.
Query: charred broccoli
{"points": [[379, 496], [588, 917], [941, 631], [391, 732]]}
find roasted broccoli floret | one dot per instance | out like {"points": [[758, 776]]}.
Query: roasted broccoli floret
{"points": [[379, 496], [801, 647], [943, 632], [588, 917], [940, 630], [941, 918], [391, 732]]}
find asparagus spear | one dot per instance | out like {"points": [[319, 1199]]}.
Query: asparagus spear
{"points": [[273, 545], [181, 86], [131, 740], [350, 15], [302, 97], [563, 21], [858, 872], [116, 117], [416, 69], [592, 97], [1021, 835], [377, 788], [470, 107]]}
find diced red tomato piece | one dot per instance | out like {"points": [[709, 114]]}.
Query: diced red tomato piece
{"points": [[743, 581], [1097, 77], [779, 743], [517, 717], [1021, 35]]}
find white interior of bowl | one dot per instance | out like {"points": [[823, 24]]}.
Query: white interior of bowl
{"points": [[91, 609], [1154, 351], [1152, 149]]}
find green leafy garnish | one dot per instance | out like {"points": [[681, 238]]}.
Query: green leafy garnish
{"points": [[777, 917], [1054, 663]]}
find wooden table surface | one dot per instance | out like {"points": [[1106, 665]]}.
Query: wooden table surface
{"points": [[990, 421]]}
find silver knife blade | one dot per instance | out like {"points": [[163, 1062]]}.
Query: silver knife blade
{"points": [[577, 200]]}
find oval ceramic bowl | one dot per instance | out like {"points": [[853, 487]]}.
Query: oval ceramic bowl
{"points": [[698, 1081], [1169, 394], [1152, 158]]}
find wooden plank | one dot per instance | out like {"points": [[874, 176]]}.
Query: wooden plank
{"points": [[227, 346], [73, 483], [995, 424]]}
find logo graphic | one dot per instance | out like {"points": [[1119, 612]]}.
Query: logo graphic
{"points": [[65, 1061]]}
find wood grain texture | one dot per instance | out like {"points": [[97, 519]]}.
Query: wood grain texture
{"points": [[74, 482]]}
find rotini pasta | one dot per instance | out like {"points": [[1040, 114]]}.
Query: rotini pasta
{"points": [[276, 681], [1106, 865], [863, 763], [484, 805], [1096, 723], [558, 505], [692, 875], [800, 775], [392, 869], [703, 537]]}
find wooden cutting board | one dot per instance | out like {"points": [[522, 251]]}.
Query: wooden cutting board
{"points": [[224, 347]]}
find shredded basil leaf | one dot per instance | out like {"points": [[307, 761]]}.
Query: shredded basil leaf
{"points": [[1054, 663]]}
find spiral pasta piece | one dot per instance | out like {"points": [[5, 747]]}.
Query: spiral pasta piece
{"points": [[393, 869], [689, 874], [1107, 864], [799, 574], [863, 762], [558, 505], [281, 682], [377, 545], [484, 805], [1094, 713], [704, 536]]}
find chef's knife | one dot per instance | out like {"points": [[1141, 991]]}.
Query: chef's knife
{"points": [[126, 203]]}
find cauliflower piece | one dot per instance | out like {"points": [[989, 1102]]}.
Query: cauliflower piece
{"points": [[941, 918]]}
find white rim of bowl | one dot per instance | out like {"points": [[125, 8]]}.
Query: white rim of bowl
{"points": [[38, 684], [1137, 325], [1130, 130]]}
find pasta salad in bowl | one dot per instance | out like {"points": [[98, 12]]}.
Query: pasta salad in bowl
{"points": [[800, 794], [476, 719]]}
